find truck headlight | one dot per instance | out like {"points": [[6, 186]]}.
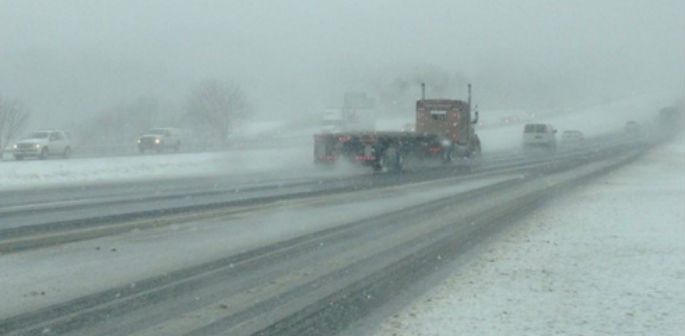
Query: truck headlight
{"points": [[445, 143], [157, 141], [15, 146], [37, 146], [139, 141]]}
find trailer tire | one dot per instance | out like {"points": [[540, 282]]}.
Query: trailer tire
{"points": [[448, 156], [392, 160]]}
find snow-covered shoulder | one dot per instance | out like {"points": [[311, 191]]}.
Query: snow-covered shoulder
{"points": [[606, 259], [50, 173]]}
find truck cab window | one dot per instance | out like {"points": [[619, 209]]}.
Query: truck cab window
{"points": [[439, 115]]}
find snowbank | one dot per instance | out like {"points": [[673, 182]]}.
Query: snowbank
{"points": [[38, 173], [607, 259]]}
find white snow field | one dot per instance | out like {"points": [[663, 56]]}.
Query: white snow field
{"points": [[605, 259]]}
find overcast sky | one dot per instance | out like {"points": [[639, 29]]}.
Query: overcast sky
{"points": [[67, 58]]}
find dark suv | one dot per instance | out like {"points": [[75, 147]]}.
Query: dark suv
{"points": [[159, 139]]}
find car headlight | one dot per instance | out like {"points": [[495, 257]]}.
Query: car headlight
{"points": [[445, 143], [37, 146], [15, 146], [157, 141], [139, 141]]}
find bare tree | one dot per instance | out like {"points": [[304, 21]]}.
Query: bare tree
{"points": [[216, 108], [13, 119]]}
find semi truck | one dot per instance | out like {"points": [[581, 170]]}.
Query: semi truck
{"points": [[444, 132]]}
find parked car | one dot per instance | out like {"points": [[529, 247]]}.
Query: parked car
{"points": [[42, 144], [539, 136], [572, 138], [159, 139]]}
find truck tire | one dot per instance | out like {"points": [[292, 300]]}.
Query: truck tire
{"points": [[448, 155], [44, 153], [476, 151], [392, 160]]}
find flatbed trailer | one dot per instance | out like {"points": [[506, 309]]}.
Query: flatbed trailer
{"points": [[444, 133]]}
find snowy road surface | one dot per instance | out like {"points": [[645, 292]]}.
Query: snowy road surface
{"points": [[66, 272], [606, 259]]}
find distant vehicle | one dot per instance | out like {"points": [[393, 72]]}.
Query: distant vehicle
{"points": [[539, 136], [332, 121], [356, 114], [510, 120], [409, 127], [670, 120], [42, 144], [160, 139], [632, 128], [572, 138]]}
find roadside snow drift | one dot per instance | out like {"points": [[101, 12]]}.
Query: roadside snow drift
{"points": [[39, 173]]}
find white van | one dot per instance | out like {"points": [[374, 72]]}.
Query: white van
{"points": [[539, 136]]}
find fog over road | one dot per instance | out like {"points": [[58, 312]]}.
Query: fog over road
{"points": [[71, 60]]}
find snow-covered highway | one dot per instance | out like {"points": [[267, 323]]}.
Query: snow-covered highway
{"points": [[202, 252], [605, 259]]}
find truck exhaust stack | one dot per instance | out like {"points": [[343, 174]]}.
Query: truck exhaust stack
{"points": [[469, 95]]}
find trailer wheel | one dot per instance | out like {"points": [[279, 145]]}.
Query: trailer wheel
{"points": [[448, 155], [392, 160]]}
